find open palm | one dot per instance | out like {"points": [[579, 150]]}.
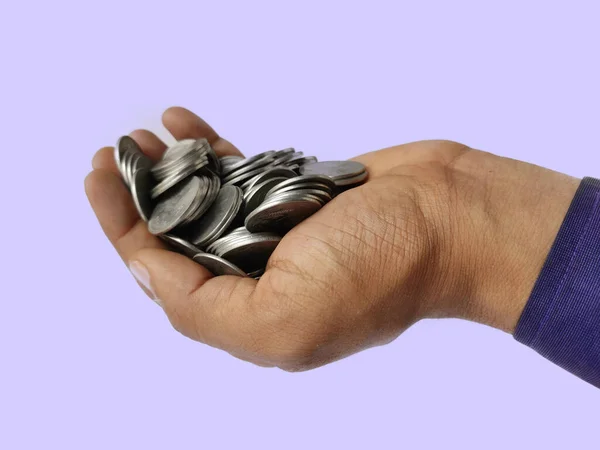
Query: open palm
{"points": [[353, 275]]}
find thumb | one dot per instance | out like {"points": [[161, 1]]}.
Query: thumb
{"points": [[202, 307]]}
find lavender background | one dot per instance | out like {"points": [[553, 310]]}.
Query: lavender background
{"points": [[88, 362]]}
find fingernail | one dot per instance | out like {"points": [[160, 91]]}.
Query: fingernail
{"points": [[142, 275]]}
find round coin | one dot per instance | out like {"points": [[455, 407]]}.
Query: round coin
{"points": [[255, 196], [180, 245], [334, 169], [269, 173], [125, 144], [218, 217], [244, 162], [251, 253], [217, 265], [141, 186], [281, 216], [171, 210], [305, 179]]}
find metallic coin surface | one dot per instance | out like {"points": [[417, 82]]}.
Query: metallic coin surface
{"points": [[217, 265], [352, 181], [235, 208], [251, 253], [180, 245], [179, 148], [305, 179], [218, 217], [243, 176], [125, 144], [295, 187], [170, 211], [281, 216], [178, 176], [141, 187], [334, 169], [270, 173], [255, 196], [245, 162]]}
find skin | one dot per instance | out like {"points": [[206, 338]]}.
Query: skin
{"points": [[439, 230]]}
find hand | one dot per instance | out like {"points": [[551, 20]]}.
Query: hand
{"points": [[439, 230]]}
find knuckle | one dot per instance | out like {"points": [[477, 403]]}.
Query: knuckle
{"points": [[183, 323], [294, 354]]}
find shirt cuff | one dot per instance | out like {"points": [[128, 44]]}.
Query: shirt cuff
{"points": [[561, 320]]}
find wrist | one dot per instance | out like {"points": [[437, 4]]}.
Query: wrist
{"points": [[505, 215]]}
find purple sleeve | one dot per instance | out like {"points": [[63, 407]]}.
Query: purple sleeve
{"points": [[561, 320]]}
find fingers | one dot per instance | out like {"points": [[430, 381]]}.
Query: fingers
{"points": [[215, 310], [111, 200], [113, 206], [150, 144], [184, 124], [105, 159]]}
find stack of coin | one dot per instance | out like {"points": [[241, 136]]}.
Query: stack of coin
{"points": [[129, 159], [289, 202], [182, 160], [229, 214], [345, 174]]}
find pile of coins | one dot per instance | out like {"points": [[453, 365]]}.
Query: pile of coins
{"points": [[229, 214]]}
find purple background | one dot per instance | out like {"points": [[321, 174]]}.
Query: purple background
{"points": [[88, 362]]}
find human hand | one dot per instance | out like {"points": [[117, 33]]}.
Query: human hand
{"points": [[439, 230]]}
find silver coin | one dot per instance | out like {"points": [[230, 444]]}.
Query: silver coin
{"points": [[254, 167], [170, 167], [257, 274], [180, 147], [352, 181], [255, 196], [294, 187], [304, 161], [292, 196], [125, 145], [129, 158], [171, 209], [282, 156], [168, 183], [285, 151], [202, 193], [323, 195], [180, 245], [245, 162], [301, 160], [217, 246], [305, 179], [241, 238], [141, 186], [270, 173], [228, 160], [336, 170], [252, 252], [218, 217], [214, 187], [213, 160], [281, 216], [245, 176], [180, 157], [217, 265], [136, 162]]}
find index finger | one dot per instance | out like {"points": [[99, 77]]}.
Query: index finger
{"points": [[184, 124]]}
